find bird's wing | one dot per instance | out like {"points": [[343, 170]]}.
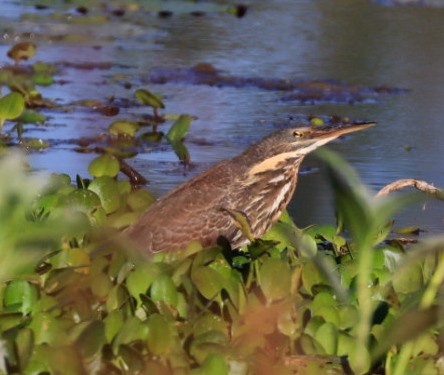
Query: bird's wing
{"points": [[191, 211]]}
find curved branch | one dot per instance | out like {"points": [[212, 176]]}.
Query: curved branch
{"points": [[410, 182]]}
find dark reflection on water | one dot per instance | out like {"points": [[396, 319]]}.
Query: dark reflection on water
{"points": [[357, 42]]}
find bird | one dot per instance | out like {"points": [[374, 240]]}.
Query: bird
{"points": [[256, 185]]}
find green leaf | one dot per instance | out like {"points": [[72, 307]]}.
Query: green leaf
{"points": [[207, 281], [30, 116], [106, 188], [35, 143], [182, 152], [104, 165], [123, 128], [163, 289], [141, 278], [83, 200], [11, 106], [21, 51], [19, 295], [214, 364], [179, 129], [148, 98], [327, 336], [272, 270], [140, 199], [91, 338], [42, 79], [160, 338]]}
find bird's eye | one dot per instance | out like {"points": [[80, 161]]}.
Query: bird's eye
{"points": [[298, 134]]}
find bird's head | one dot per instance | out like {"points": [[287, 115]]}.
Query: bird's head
{"points": [[292, 144]]}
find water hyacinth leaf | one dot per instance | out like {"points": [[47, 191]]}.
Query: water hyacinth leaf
{"points": [[30, 116], [21, 51], [207, 343], [408, 280], [11, 106], [113, 324], [123, 128], [91, 338], [272, 270], [207, 281], [148, 98], [182, 152], [104, 165], [160, 338], [106, 188], [209, 322], [214, 364], [34, 143], [327, 336], [153, 137], [179, 129], [25, 345], [140, 199], [132, 359], [133, 329], [417, 320], [42, 79], [19, 296], [141, 278], [50, 330], [83, 200], [163, 289]]}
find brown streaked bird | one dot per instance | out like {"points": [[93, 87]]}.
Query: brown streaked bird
{"points": [[258, 183]]}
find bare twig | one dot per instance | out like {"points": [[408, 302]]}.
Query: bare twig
{"points": [[410, 182]]}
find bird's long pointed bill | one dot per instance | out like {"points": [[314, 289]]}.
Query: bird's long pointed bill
{"points": [[326, 134], [334, 132]]}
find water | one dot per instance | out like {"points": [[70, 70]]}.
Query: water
{"points": [[356, 42]]}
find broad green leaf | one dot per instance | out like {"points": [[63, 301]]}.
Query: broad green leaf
{"points": [[25, 345], [214, 364], [141, 278], [160, 335], [327, 336], [148, 98], [179, 129], [275, 279], [123, 128], [181, 151], [207, 281], [34, 143], [104, 165], [407, 326], [91, 338], [113, 324], [42, 79], [11, 106], [20, 295], [140, 200], [106, 188], [50, 330], [21, 51], [30, 116], [163, 289], [83, 200]]}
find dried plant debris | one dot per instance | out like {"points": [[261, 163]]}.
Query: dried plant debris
{"points": [[301, 91]]}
